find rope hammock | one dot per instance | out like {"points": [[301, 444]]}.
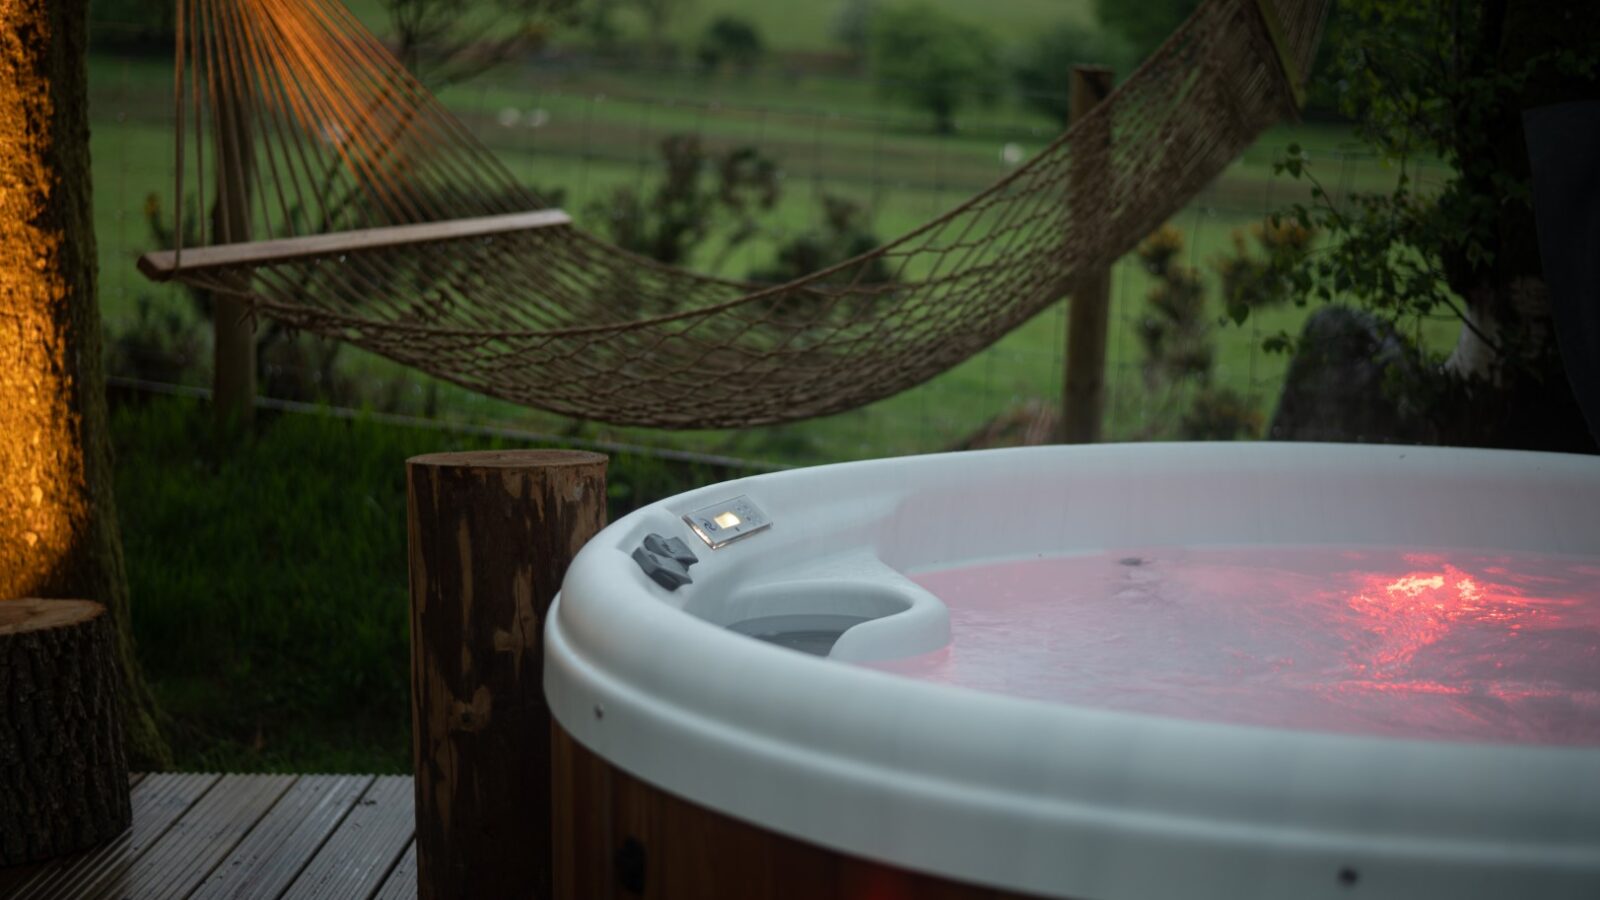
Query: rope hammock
{"points": [[355, 206]]}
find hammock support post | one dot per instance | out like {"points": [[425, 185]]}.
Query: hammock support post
{"points": [[233, 369], [1089, 308], [490, 537]]}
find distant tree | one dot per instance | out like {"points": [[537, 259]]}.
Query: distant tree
{"points": [[852, 26], [732, 41], [1040, 70], [1143, 24], [596, 20], [658, 16], [933, 60]]}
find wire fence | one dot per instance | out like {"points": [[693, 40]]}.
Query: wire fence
{"points": [[590, 132]]}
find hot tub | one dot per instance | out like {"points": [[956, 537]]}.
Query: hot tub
{"points": [[1104, 672]]}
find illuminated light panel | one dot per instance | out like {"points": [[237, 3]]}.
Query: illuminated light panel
{"points": [[728, 520]]}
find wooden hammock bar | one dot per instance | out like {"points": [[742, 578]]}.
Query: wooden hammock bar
{"points": [[162, 265]]}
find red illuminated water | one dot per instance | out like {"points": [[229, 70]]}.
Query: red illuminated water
{"points": [[1462, 645]]}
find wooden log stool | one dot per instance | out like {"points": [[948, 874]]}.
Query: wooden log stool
{"points": [[63, 767], [491, 535]]}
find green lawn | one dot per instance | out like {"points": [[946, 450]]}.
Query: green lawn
{"points": [[269, 579]]}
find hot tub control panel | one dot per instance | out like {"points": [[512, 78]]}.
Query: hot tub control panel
{"points": [[720, 524]]}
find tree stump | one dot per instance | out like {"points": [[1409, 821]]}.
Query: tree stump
{"points": [[491, 536], [63, 768]]}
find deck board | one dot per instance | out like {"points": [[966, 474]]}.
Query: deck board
{"points": [[367, 845], [158, 802], [283, 842], [244, 837], [201, 837], [402, 882]]}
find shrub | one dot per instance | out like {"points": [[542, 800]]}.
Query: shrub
{"points": [[730, 41], [935, 61], [1040, 70]]}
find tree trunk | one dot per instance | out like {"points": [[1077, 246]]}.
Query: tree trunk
{"points": [[58, 521], [65, 775]]}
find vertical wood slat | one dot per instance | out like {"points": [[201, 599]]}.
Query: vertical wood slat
{"points": [[490, 537], [275, 852], [1089, 310], [198, 840], [158, 802], [673, 849], [363, 850]]}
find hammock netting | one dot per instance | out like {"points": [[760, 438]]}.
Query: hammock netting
{"points": [[320, 131]]}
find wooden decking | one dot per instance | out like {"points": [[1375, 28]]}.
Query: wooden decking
{"points": [[251, 837]]}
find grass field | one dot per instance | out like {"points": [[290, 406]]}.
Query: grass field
{"points": [[269, 579], [808, 27]]}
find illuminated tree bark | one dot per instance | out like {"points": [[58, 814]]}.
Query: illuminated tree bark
{"points": [[58, 522]]}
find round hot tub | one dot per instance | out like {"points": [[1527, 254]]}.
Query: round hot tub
{"points": [[1105, 673]]}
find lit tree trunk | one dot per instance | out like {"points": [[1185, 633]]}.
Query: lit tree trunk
{"points": [[58, 522]]}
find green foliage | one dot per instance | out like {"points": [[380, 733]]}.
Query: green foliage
{"points": [[843, 234], [159, 345], [730, 41], [933, 60], [698, 194], [268, 579], [1179, 346], [1040, 70], [1219, 414], [1143, 24], [1449, 80], [1428, 79], [1259, 277], [1175, 331]]}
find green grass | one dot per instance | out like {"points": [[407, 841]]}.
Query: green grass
{"points": [[269, 580]]}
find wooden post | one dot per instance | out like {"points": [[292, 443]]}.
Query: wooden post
{"points": [[63, 766], [233, 359], [491, 536], [1089, 310]]}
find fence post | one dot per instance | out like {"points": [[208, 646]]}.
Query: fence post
{"points": [[1089, 310], [490, 536]]}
